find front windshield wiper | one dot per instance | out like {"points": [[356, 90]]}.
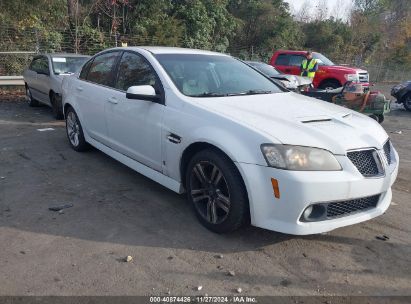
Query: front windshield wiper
{"points": [[255, 92], [209, 94], [214, 94], [64, 73]]}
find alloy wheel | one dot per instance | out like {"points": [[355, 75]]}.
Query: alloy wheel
{"points": [[73, 128], [209, 192]]}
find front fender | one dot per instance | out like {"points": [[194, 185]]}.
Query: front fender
{"points": [[244, 148]]}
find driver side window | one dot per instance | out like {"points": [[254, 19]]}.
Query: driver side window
{"points": [[134, 71], [296, 60], [40, 65]]}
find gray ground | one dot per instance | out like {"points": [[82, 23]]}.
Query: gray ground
{"points": [[118, 212]]}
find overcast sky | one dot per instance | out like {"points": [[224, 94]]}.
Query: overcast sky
{"points": [[339, 8]]}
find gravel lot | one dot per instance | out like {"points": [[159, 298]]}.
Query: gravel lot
{"points": [[117, 212]]}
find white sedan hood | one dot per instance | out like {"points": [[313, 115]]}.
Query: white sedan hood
{"points": [[300, 120]]}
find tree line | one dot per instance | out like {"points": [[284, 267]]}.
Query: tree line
{"points": [[371, 32]]}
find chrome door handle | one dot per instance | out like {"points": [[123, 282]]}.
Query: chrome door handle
{"points": [[79, 88], [112, 100]]}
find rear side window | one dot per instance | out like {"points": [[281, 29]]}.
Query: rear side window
{"points": [[296, 60], [101, 70], [85, 69], [133, 71], [283, 59]]}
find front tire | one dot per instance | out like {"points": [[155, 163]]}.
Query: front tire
{"points": [[74, 131], [56, 107], [407, 102], [217, 192], [30, 100]]}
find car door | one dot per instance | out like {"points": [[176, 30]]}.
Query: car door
{"points": [[92, 90], [135, 126], [42, 86], [30, 76]]}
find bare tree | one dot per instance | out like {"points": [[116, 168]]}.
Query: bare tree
{"points": [[341, 10], [321, 10], [304, 13]]}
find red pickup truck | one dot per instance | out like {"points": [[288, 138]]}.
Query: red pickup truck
{"points": [[328, 75]]}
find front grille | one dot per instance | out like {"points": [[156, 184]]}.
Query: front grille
{"points": [[348, 207], [364, 77], [366, 162], [387, 152]]}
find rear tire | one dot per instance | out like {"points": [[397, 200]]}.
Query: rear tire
{"points": [[56, 107], [406, 100], [74, 131], [329, 85], [381, 118], [217, 192], [30, 100]]}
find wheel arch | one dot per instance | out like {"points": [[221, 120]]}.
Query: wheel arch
{"points": [[331, 79], [66, 107], [51, 93], [196, 147]]}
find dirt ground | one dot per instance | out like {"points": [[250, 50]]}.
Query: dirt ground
{"points": [[117, 212]]}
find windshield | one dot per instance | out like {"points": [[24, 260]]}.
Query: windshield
{"points": [[67, 65], [199, 75], [322, 60], [264, 68]]}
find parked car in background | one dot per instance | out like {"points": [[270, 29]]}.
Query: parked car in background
{"points": [[402, 92], [291, 82], [242, 147], [329, 75], [44, 76]]}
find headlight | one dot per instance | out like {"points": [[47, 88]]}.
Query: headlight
{"points": [[295, 81], [352, 77], [289, 84], [299, 158]]}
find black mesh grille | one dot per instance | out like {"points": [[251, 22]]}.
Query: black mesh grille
{"points": [[387, 151], [365, 162], [348, 207]]}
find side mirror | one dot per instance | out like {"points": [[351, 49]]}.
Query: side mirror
{"points": [[143, 92]]}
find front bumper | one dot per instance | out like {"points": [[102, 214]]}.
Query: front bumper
{"points": [[299, 189]]}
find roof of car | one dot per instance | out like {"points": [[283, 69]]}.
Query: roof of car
{"points": [[293, 52], [65, 55], [257, 62], [169, 50]]}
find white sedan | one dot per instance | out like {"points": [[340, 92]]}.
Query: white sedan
{"points": [[242, 148]]}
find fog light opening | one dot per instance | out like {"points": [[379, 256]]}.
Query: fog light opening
{"points": [[308, 212], [314, 213]]}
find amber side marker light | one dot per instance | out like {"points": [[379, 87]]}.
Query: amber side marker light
{"points": [[276, 189]]}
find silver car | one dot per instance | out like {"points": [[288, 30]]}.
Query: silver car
{"points": [[291, 82], [44, 76]]}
